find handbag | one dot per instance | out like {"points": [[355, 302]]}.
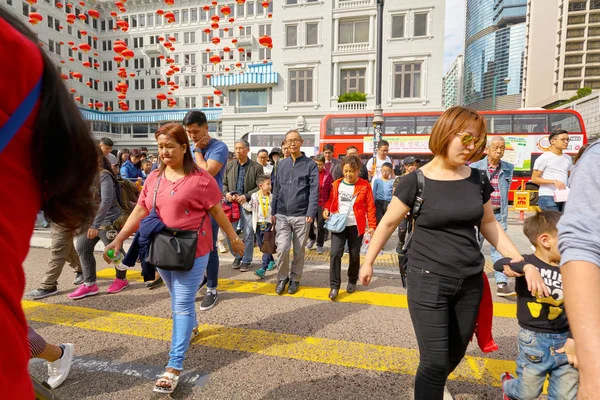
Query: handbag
{"points": [[337, 222], [269, 246], [410, 229], [173, 249]]}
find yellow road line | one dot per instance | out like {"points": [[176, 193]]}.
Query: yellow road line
{"points": [[484, 371], [317, 293]]}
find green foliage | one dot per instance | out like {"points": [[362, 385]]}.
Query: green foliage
{"points": [[586, 91], [356, 96]]}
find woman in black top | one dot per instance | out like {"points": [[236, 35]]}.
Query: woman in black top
{"points": [[445, 281]]}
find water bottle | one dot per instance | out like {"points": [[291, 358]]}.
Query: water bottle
{"points": [[116, 259], [365, 244]]}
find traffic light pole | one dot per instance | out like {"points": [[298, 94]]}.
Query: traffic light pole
{"points": [[378, 112]]}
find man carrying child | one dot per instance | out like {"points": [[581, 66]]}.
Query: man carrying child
{"points": [[544, 335]]}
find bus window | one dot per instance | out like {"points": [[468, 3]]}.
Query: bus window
{"points": [[399, 125], [425, 124], [309, 139], [568, 122], [364, 126], [498, 123], [341, 126], [530, 123]]}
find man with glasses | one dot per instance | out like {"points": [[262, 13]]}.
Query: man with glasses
{"points": [[500, 174], [294, 208], [262, 157], [211, 155], [551, 171], [374, 165]]}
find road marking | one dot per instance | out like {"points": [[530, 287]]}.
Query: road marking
{"points": [[479, 370], [148, 372], [317, 293]]}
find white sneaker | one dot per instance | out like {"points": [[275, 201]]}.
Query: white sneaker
{"points": [[222, 248], [59, 369]]}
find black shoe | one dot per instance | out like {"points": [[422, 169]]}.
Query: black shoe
{"points": [[154, 284], [236, 264], [281, 286], [294, 286], [209, 301], [78, 279], [204, 282], [244, 267], [333, 293], [351, 287], [38, 294]]}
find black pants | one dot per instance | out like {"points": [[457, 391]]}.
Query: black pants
{"points": [[320, 236], [338, 240], [380, 209], [443, 311]]}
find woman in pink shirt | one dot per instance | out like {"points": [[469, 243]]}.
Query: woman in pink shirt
{"points": [[185, 196]]}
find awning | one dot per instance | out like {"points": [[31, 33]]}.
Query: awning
{"points": [[212, 114], [257, 74]]}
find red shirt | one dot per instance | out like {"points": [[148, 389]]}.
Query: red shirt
{"points": [[184, 204], [325, 185], [19, 204]]}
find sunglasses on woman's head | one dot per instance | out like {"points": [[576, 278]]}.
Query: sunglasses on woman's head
{"points": [[466, 139]]}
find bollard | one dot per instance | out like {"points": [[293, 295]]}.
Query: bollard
{"points": [[521, 216]]}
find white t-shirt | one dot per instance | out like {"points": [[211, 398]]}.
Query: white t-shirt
{"points": [[378, 166], [345, 195], [268, 169], [553, 167]]}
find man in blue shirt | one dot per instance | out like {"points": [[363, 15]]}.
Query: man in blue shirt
{"points": [[211, 155]]}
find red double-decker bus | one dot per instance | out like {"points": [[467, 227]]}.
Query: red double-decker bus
{"points": [[525, 132]]}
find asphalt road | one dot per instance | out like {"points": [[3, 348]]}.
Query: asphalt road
{"points": [[253, 344]]}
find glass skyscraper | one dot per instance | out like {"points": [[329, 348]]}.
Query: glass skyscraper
{"points": [[494, 53]]}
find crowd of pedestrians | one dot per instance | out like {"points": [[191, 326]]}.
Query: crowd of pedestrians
{"points": [[451, 202]]}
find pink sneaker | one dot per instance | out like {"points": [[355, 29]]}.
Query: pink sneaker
{"points": [[84, 291], [117, 286]]}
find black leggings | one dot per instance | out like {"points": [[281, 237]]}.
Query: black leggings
{"points": [[443, 311]]}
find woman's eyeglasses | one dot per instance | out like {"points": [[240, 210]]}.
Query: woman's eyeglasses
{"points": [[466, 139]]}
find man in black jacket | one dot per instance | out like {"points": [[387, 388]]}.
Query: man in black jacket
{"points": [[238, 185], [294, 208]]}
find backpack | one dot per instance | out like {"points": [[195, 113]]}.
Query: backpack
{"points": [[127, 196], [232, 210]]}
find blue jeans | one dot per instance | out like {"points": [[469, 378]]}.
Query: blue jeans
{"points": [[212, 269], [246, 221], [548, 203], [260, 235], [537, 358], [183, 286], [495, 255]]}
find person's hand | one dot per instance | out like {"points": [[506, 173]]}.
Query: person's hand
{"points": [[559, 185], [508, 271], [115, 245], [326, 213], [535, 282], [203, 142], [569, 350], [273, 220], [241, 199], [237, 247], [229, 197], [309, 220], [92, 233], [371, 231], [365, 274]]}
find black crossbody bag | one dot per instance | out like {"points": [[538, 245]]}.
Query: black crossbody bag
{"points": [[410, 228], [173, 249]]}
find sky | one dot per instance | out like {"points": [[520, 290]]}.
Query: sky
{"points": [[454, 36]]}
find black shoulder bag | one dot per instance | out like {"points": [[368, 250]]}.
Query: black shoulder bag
{"points": [[173, 249], [410, 228]]}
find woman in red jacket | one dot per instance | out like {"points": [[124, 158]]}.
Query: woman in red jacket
{"points": [[345, 191]]}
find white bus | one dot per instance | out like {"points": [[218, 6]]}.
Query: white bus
{"points": [[270, 140]]}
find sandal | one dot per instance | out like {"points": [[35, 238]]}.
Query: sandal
{"points": [[167, 377]]}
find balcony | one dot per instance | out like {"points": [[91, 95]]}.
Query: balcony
{"points": [[352, 47], [352, 106], [153, 49], [352, 4], [246, 40]]}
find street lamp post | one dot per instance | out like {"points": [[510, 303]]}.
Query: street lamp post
{"points": [[378, 112], [506, 81]]}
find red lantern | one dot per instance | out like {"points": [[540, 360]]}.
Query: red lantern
{"points": [[118, 59], [240, 1], [71, 59], [217, 104], [89, 84], [215, 18], [132, 74], [226, 49], [85, 47], [78, 98], [231, 20], [122, 96], [234, 41], [225, 10], [215, 2], [71, 17], [128, 54], [215, 59], [83, 33], [82, 17], [169, 2], [240, 27], [265, 40], [94, 14], [108, 108], [59, 5], [71, 43], [238, 64], [208, 76], [226, 69], [216, 40], [82, 4], [265, 4], [161, 82], [161, 39], [269, 15], [90, 104], [206, 30], [119, 4], [72, 90], [35, 17], [161, 57], [77, 75], [168, 44], [64, 76], [214, 25], [241, 50], [161, 96], [160, 12], [86, 64], [206, 8], [99, 104], [172, 38], [119, 48], [226, 29], [217, 92], [60, 27]]}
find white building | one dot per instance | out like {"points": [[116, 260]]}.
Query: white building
{"points": [[321, 49], [562, 52], [452, 84]]}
